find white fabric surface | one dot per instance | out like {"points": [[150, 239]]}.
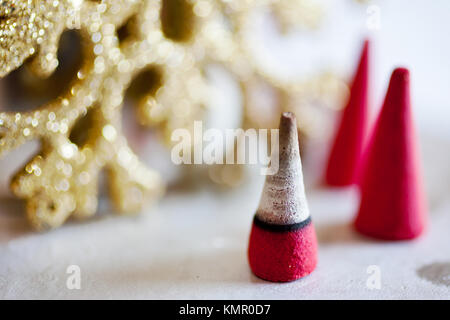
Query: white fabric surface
{"points": [[193, 245]]}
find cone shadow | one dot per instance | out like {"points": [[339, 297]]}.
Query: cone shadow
{"points": [[339, 233]]}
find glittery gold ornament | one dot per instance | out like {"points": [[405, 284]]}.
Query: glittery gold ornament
{"points": [[62, 180]]}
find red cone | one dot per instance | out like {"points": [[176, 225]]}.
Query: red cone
{"points": [[346, 151], [392, 199], [283, 245]]}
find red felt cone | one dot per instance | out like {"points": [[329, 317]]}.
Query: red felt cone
{"points": [[283, 245], [345, 154], [392, 199]]}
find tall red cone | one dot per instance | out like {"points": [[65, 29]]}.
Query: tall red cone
{"points": [[392, 199], [283, 245], [345, 154]]}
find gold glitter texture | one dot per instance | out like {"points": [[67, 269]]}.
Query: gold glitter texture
{"points": [[62, 179]]}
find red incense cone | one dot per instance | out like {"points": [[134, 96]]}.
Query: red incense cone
{"points": [[392, 199], [347, 148], [283, 245]]}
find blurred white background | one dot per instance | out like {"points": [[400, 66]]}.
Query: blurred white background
{"points": [[410, 33]]}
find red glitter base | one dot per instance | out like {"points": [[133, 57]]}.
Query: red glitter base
{"points": [[282, 256]]}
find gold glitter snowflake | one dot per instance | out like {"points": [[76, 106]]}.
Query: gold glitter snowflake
{"points": [[62, 180]]}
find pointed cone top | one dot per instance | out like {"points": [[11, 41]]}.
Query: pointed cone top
{"points": [[283, 200], [360, 77], [288, 151], [346, 151], [359, 84], [397, 95], [395, 122]]}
